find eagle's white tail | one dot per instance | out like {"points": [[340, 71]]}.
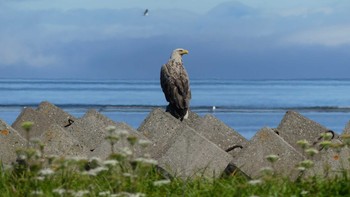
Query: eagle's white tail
{"points": [[186, 115]]}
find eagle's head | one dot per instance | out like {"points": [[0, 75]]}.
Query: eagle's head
{"points": [[177, 54]]}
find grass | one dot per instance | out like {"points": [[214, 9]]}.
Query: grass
{"points": [[120, 175]]}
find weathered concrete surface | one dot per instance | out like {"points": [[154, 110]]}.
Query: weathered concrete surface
{"points": [[60, 142], [43, 117], [55, 114], [220, 134], [331, 162], [193, 119], [347, 128], [104, 150], [192, 155], [180, 150], [100, 117], [10, 141], [41, 122], [266, 142], [108, 122], [160, 128], [295, 127], [89, 131]]}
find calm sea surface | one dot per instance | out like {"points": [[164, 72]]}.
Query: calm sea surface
{"points": [[245, 105]]}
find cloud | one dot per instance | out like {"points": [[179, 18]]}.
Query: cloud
{"points": [[304, 11], [16, 53], [330, 36], [231, 9], [232, 39]]}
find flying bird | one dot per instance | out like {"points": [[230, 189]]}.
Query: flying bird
{"points": [[145, 13], [176, 85]]}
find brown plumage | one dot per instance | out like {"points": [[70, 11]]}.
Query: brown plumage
{"points": [[176, 85]]}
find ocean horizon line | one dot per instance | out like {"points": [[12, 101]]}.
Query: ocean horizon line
{"points": [[202, 108], [156, 79]]}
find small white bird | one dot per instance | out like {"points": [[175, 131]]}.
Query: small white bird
{"points": [[214, 108], [145, 13]]}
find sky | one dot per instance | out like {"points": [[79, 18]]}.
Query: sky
{"points": [[111, 39]]}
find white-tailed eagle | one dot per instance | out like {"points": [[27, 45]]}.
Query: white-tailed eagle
{"points": [[176, 85]]}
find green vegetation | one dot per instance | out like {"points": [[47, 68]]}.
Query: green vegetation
{"points": [[123, 175]]}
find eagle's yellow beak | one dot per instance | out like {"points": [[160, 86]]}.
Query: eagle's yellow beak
{"points": [[184, 52]]}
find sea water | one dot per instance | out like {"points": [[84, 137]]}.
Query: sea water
{"points": [[244, 105]]}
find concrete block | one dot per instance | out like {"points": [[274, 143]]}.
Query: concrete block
{"points": [[55, 114], [43, 117], [100, 117], [295, 127], [330, 162], [10, 141], [192, 155], [41, 122], [347, 128], [89, 131], [160, 127], [108, 122], [266, 142], [60, 142], [220, 134], [193, 119], [104, 150], [180, 150]]}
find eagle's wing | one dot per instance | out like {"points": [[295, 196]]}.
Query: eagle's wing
{"points": [[175, 85], [165, 82]]}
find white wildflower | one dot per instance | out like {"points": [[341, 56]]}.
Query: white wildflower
{"points": [[303, 143], [37, 192], [110, 162], [161, 182], [147, 161], [100, 169], [112, 138], [304, 192], [327, 136], [129, 175], [144, 143], [126, 151], [38, 153], [266, 171], [106, 193], [81, 193], [307, 163], [76, 158], [22, 157], [90, 172], [59, 191], [127, 194], [46, 172], [325, 144], [272, 158], [95, 171], [122, 133], [111, 128], [255, 182], [301, 168], [311, 151], [40, 178]]}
